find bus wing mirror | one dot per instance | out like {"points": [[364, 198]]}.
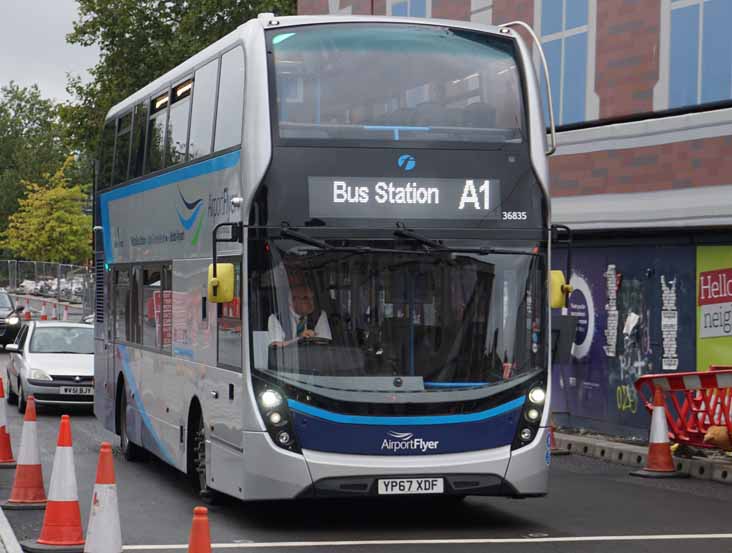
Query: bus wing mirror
{"points": [[221, 286], [560, 290]]}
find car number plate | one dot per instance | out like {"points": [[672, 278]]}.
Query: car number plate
{"points": [[392, 486], [77, 390]]}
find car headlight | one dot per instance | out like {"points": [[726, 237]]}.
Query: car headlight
{"points": [[13, 320], [38, 374]]}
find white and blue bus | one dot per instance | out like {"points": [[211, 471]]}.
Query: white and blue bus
{"points": [[323, 262]]}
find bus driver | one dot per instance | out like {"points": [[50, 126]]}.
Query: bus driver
{"points": [[302, 323]]}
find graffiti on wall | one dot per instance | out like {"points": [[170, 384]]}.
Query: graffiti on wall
{"points": [[635, 310]]}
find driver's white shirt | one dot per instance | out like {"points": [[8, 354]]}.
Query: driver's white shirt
{"points": [[277, 334]]}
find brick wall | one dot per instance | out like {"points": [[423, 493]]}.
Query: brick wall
{"points": [[706, 162], [312, 7], [627, 55], [451, 9], [511, 10]]}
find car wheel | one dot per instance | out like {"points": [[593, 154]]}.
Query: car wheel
{"points": [[130, 450], [22, 403], [12, 396], [197, 462]]}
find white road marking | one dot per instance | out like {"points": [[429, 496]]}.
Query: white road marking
{"points": [[568, 539]]}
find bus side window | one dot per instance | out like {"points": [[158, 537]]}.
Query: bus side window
{"points": [[229, 327], [177, 135], [104, 179], [230, 107], [156, 133], [122, 148], [137, 156], [202, 111]]}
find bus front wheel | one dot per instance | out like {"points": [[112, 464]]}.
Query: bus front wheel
{"points": [[197, 461]]}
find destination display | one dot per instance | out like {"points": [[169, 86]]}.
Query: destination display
{"points": [[404, 198]]}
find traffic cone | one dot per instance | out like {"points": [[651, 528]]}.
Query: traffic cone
{"points": [[44, 316], [553, 444], [200, 538], [28, 492], [6, 450], [660, 463], [103, 534], [66, 313], [61, 529], [27, 315]]}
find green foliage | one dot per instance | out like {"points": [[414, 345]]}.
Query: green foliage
{"points": [[50, 223], [139, 40], [31, 142]]}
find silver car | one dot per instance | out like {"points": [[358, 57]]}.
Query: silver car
{"points": [[53, 361]]}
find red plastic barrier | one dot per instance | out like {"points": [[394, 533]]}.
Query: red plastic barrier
{"points": [[694, 401]]}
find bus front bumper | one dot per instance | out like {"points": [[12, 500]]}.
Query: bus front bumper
{"points": [[274, 473]]}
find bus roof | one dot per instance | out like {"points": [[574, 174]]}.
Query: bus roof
{"points": [[237, 35]]}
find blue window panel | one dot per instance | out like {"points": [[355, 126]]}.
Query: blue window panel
{"points": [[575, 78], [717, 51], [418, 8], [576, 14], [684, 56], [551, 17], [400, 9], [553, 53]]}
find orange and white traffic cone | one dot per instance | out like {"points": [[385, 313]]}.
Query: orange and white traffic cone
{"points": [[104, 534], [61, 529], [6, 450], [66, 313], [660, 463], [44, 315], [199, 540], [28, 492], [27, 315], [553, 444]]}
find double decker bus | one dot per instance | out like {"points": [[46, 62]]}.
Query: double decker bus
{"points": [[322, 262]]}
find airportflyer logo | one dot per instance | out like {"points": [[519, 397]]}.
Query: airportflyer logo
{"points": [[192, 216], [405, 441]]}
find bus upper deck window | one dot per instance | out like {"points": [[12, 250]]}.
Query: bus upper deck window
{"points": [[202, 110], [156, 132], [177, 137], [230, 108]]}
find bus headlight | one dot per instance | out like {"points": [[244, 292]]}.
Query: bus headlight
{"points": [[270, 399], [272, 403], [537, 396]]}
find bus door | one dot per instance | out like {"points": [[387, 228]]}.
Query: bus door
{"points": [[225, 389]]}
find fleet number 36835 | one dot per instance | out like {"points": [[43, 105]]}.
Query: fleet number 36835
{"points": [[514, 215]]}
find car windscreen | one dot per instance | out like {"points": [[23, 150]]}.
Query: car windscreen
{"points": [[391, 82], [60, 339], [5, 302]]}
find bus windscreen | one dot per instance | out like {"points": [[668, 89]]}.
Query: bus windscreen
{"points": [[394, 82]]}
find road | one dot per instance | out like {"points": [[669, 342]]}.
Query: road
{"points": [[588, 498]]}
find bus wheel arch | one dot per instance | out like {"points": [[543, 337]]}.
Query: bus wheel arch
{"points": [[196, 452], [130, 450]]}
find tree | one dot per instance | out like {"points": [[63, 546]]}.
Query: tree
{"points": [[139, 40], [31, 142], [50, 223]]}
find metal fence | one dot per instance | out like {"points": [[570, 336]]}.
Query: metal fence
{"points": [[61, 285]]}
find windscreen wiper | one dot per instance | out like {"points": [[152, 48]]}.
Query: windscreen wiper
{"points": [[403, 232], [303, 238]]}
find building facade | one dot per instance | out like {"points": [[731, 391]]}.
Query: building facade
{"points": [[642, 94]]}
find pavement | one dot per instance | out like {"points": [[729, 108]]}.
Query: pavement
{"points": [[593, 505]]}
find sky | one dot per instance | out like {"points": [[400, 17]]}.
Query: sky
{"points": [[33, 46]]}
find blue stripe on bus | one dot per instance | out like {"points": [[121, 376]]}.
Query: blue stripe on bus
{"points": [[130, 379], [419, 420], [212, 165]]}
